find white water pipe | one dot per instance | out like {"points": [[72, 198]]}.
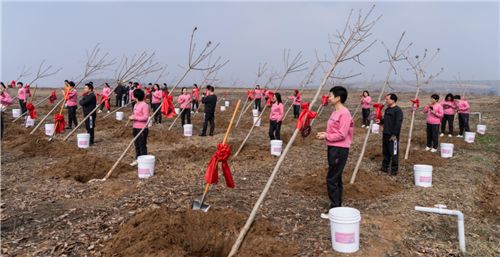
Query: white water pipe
{"points": [[460, 218]]}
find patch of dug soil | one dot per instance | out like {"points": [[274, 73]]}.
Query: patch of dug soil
{"points": [[251, 151], [367, 186], [194, 153], [83, 168], [219, 122], [163, 137], [165, 232], [110, 123], [374, 152], [489, 196], [421, 141], [299, 140], [246, 125]]}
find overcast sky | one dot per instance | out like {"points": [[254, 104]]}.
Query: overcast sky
{"points": [[249, 33]]}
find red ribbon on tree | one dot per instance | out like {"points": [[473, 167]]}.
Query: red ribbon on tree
{"points": [[224, 96], [324, 102], [52, 97], [60, 123], [415, 101], [196, 92], [221, 155], [305, 115], [378, 110], [139, 86], [250, 94], [28, 90], [13, 83], [32, 110], [106, 101], [271, 95], [167, 108]]}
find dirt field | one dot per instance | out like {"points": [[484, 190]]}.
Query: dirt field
{"points": [[49, 209]]}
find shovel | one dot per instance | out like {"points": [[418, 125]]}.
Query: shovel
{"points": [[199, 205]]}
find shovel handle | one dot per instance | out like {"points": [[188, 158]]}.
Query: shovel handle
{"points": [[206, 188]]}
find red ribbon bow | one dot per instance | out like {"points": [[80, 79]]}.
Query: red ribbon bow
{"points": [[139, 86], [250, 94], [60, 123], [52, 97], [13, 83], [106, 101], [167, 108], [324, 102], [271, 95], [305, 115], [415, 101], [221, 155], [28, 90], [378, 110], [32, 110], [195, 92], [224, 96]]}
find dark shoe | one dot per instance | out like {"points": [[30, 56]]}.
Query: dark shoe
{"points": [[203, 135], [393, 173], [384, 170], [211, 134], [67, 128]]}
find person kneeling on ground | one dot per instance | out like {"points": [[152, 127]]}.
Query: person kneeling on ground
{"points": [[392, 121], [140, 117], [210, 102], [88, 104], [338, 136]]}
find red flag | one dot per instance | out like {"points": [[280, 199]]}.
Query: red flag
{"points": [[167, 108], [417, 101], [52, 97], [28, 90], [271, 95], [305, 115], [106, 101], [324, 102], [221, 155], [250, 94], [32, 110], [60, 123], [378, 110]]}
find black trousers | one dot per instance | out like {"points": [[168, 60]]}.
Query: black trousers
{"points": [[104, 104], [463, 123], [337, 158], [133, 105], [366, 113], [432, 135], [119, 99], [141, 142], [23, 107], [90, 125], [257, 104], [296, 111], [72, 115], [195, 105], [390, 149], [274, 130], [208, 117], [449, 119], [158, 114], [184, 113]]}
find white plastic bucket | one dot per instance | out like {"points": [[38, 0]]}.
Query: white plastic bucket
{"points": [[49, 129], [481, 129], [222, 108], [255, 112], [177, 110], [16, 113], [344, 225], [150, 122], [30, 122], [276, 147], [256, 121], [119, 115], [226, 103], [188, 130], [469, 137], [423, 175], [83, 140], [146, 166], [446, 150], [375, 128]]}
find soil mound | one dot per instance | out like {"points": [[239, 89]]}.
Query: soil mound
{"points": [[246, 125], [110, 123], [299, 140], [83, 168], [489, 196], [414, 157], [252, 151], [219, 122], [367, 185], [165, 232], [164, 137], [194, 153]]}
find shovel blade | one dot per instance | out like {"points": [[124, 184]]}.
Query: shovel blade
{"points": [[196, 205]]}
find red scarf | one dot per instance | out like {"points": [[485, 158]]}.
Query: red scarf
{"points": [[250, 94], [305, 115], [32, 110], [221, 155], [167, 108], [324, 102], [195, 92], [271, 95], [52, 97], [60, 123], [417, 101], [106, 101], [378, 110], [28, 90]]}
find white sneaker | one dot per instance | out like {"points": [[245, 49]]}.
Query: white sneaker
{"points": [[325, 215], [134, 163], [460, 136], [449, 135], [192, 112], [108, 112], [363, 126], [99, 111], [367, 127], [441, 135], [427, 148], [434, 150]]}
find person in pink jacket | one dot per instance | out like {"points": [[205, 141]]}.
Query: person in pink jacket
{"points": [[106, 91], [258, 96], [5, 99], [185, 105], [463, 115], [449, 106], [434, 114], [140, 117], [71, 102], [156, 96], [21, 95], [365, 106], [296, 103], [277, 112]]}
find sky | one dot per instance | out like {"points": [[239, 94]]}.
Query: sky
{"points": [[60, 33]]}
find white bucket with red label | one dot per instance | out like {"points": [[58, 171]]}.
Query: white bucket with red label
{"points": [[256, 121], [423, 175], [146, 166], [49, 129], [481, 129], [255, 112], [227, 103], [119, 115], [375, 128], [446, 150], [469, 137], [188, 130], [83, 140], [344, 225], [276, 146], [222, 108]]}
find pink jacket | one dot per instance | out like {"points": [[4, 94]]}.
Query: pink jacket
{"points": [[73, 98], [463, 107], [157, 95], [131, 94], [449, 110], [434, 118], [366, 102], [141, 114], [277, 111], [6, 99], [267, 94], [297, 101], [340, 129], [105, 91], [21, 93], [184, 101], [258, 93]]}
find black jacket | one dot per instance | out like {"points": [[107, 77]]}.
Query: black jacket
{"points": [[119, 90], [393, 119], [210, 103], [88, 103]]}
